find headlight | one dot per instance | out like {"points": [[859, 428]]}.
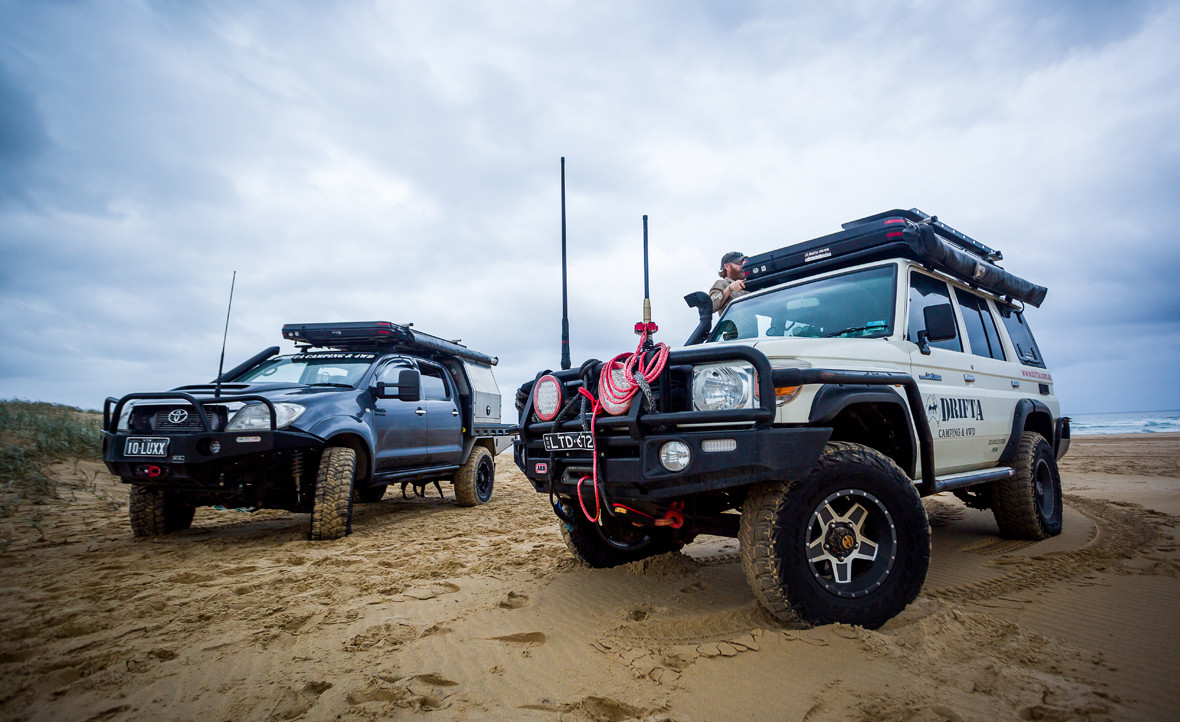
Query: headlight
{"points": [[724, 386], [257, 416], [124, 421], [547, 397]]}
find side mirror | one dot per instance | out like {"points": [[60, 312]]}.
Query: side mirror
{"points": [[406, 388], [940, 326], [408, 385]]}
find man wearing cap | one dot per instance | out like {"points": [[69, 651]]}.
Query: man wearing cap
{"points": [[733, 282]]}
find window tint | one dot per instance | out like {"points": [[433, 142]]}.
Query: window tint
{"points": [[433, 385], [926, 291], [981, 327], [1022, 338]]}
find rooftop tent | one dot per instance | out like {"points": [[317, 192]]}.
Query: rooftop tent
{"points": [[893, 234], [379, 335]]}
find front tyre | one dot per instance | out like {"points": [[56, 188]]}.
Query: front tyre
{"points": [[850, 543], [331, 513], [155, 512], [475, 479], [1028, 505]]}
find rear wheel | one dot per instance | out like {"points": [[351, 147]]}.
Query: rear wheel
{"points": [[475, 479], [614, 543], [850, 543], [331, 514], [1028, 505], [155, 512]]}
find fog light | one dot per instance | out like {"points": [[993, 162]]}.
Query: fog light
{"points": [[674, 456], [214, 447], [712, 446]]}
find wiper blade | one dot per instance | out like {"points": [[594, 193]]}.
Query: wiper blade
{"points": [[853, 329], [331, 383]]}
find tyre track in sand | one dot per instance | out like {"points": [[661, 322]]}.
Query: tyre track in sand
{"points": [[1124, 531]]}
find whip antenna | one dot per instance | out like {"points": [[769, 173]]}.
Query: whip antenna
{"points": [[646, 288], [221, 364], [565, 313]]}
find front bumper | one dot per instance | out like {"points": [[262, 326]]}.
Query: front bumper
{"points": [[190, 457], [633, 471]]}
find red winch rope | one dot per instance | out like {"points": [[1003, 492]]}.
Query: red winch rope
{"points": [[619, 394]]}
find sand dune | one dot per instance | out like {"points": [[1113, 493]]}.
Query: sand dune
{"points": [[458, 613]]}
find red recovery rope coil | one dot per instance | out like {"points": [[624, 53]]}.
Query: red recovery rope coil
{"points": [[616, 395]]}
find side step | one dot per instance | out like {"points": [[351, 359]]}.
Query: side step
{"points": [[415, 474], [971, 478]]}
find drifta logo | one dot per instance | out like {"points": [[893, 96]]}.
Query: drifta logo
{"points": [[177, 416], [932, 414]]}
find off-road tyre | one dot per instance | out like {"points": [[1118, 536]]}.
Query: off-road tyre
{"points": [[331, 513], [370, 494], [475, 479], [783, 530], [155, 513], [1028, 505], [617, 544]]}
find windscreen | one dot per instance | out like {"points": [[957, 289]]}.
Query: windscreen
{"points": [[851, 305], [325, 369]]}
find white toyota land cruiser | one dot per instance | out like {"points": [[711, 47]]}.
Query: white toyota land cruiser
{"points": [[865, 369]]}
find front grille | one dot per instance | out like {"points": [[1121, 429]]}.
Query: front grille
{"points": [[156, 419]]}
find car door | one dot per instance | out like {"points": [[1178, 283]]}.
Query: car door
{"points": [[444, 423], [945, 380], [400, 427], [994, 383]]}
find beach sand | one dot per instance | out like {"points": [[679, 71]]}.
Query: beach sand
{"points": [[429, 608]]}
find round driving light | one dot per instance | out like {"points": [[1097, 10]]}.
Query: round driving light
{"points": [[674, 456], [214, 447], [611, 395], [547, 397]]}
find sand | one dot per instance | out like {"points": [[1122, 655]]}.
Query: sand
{"points": [[431, 609]]}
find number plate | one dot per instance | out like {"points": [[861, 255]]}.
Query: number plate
{"points": [[569, 441], [141, 446]]}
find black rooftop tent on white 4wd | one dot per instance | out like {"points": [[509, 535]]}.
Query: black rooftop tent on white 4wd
{"points": [[362, 405], [866, 369]]}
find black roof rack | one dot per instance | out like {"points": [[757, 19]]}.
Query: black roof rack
{"points": [[380, 336], [893, 234]]}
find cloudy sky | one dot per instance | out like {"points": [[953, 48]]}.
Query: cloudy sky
{"points": [[400, 161]]}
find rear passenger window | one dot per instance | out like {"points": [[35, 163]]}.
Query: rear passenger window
{"points": [[1022, 338], [981, 327], [433, 385], [926, 291]]}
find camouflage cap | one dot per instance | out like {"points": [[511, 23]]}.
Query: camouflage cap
{"points": [[733, 257]]}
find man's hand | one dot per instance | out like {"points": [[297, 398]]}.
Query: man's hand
{"points": [[739, 285]]}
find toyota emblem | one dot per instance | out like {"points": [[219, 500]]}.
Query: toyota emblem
{"points": [[177, 416]]}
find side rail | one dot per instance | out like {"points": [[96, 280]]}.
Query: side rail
{"points": [[108, 416], [803, 377]]}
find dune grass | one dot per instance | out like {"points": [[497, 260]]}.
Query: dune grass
{"points": [[34, 435]]}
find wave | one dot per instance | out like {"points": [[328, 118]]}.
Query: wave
{"points": [[1130, 422]]}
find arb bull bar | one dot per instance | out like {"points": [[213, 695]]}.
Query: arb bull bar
{"points": [[754, 449]]}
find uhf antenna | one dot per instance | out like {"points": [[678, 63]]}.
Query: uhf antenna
{"points": [[647, 327], [565, 313], [221, 364]]}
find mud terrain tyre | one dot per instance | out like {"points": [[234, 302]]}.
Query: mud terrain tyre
{"points": [[331, 513], [154, 513], [1028, 505], [600, 548], [850, 543], [475, 479], [371, 494]]}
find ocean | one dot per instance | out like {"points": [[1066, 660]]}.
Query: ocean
{"points": [[1127, 422]]}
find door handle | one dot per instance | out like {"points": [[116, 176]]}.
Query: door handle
{"points": [[454, 412], [420, 411], [969, 377]]}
